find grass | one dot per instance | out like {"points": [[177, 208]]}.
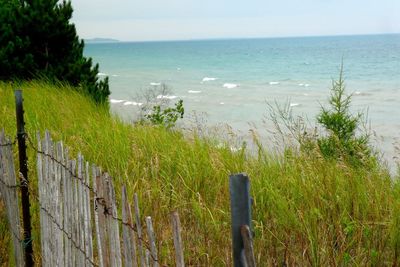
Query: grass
{"points": [[307, 211]]}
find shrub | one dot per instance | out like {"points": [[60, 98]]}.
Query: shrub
{"points": [[341, 139], [166, 117]]}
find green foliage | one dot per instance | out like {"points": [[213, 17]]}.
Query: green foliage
{"points": [[307, 210], [38, 41], [341, 126], [166, 117]]}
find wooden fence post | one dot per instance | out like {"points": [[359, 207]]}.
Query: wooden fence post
{"points": [[23, 166], [239, 187]]}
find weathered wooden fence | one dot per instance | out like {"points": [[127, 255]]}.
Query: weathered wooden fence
{"points": [[9, 194], [79, 220]]}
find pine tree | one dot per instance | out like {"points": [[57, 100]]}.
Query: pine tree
{"points": [[38, 41]]}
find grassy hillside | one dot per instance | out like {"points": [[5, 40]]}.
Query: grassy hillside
{"points": [[307, 210]]}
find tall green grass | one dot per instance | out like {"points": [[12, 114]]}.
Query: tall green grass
{"points": [[307, 210]]}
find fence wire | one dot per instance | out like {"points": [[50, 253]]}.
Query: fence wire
{"points": [[98, 200], [9, 143], [13, 187], [8, 195], [61, 228]]}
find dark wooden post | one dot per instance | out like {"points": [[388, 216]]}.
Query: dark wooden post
{"points": [[239, 187], [23, 168]]}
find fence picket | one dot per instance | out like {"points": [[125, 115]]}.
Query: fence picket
{"points": [[97, 215], [114, 242], [74, 214], [88, 219], [66, 201], [44, 203], [152, 239], [70, 222], [80, 209], [70, 208], [8, 192], [176, 231], [59, 206], [139, 231], [128, 236]]}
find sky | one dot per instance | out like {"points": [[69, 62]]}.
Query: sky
{"points": [[152, 20]]}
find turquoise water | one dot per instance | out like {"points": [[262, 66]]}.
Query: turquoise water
{"points": [[231, 80]]}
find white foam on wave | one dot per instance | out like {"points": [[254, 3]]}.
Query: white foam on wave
{"points": [[132, 103], [274, 83], [222, 103], [116, 101], [101, 74], [304, 84], [359, 93], [155, 84], [208, 79], [194, 92], [294, 105], [230, 85], [166, 96], [114, 75]]}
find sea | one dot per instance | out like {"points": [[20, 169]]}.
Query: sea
{"points": [[235, 82]]}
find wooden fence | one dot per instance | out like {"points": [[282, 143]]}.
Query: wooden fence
{"points": [[79, 220], [9, 194]]}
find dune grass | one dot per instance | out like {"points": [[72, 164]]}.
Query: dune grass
{"points": [[307, 211]]}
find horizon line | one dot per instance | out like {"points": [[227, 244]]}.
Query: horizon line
{"points": [[115, 40]]}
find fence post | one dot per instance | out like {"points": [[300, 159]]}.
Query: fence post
{"points": [[239, 187], [23, 168]]}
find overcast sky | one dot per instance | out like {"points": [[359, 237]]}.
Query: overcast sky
{"points": [[133, 20]]}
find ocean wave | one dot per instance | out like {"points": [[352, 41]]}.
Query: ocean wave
{"points": [[116, 101], [304, 84], [208, 79], [274, 83], [230, 85], [115, 75], [359, 93], [102, 74], [166, 96], [194, 92], [132, 103], [155, 84], [294, 105], [221, 103], [125, 102]]}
